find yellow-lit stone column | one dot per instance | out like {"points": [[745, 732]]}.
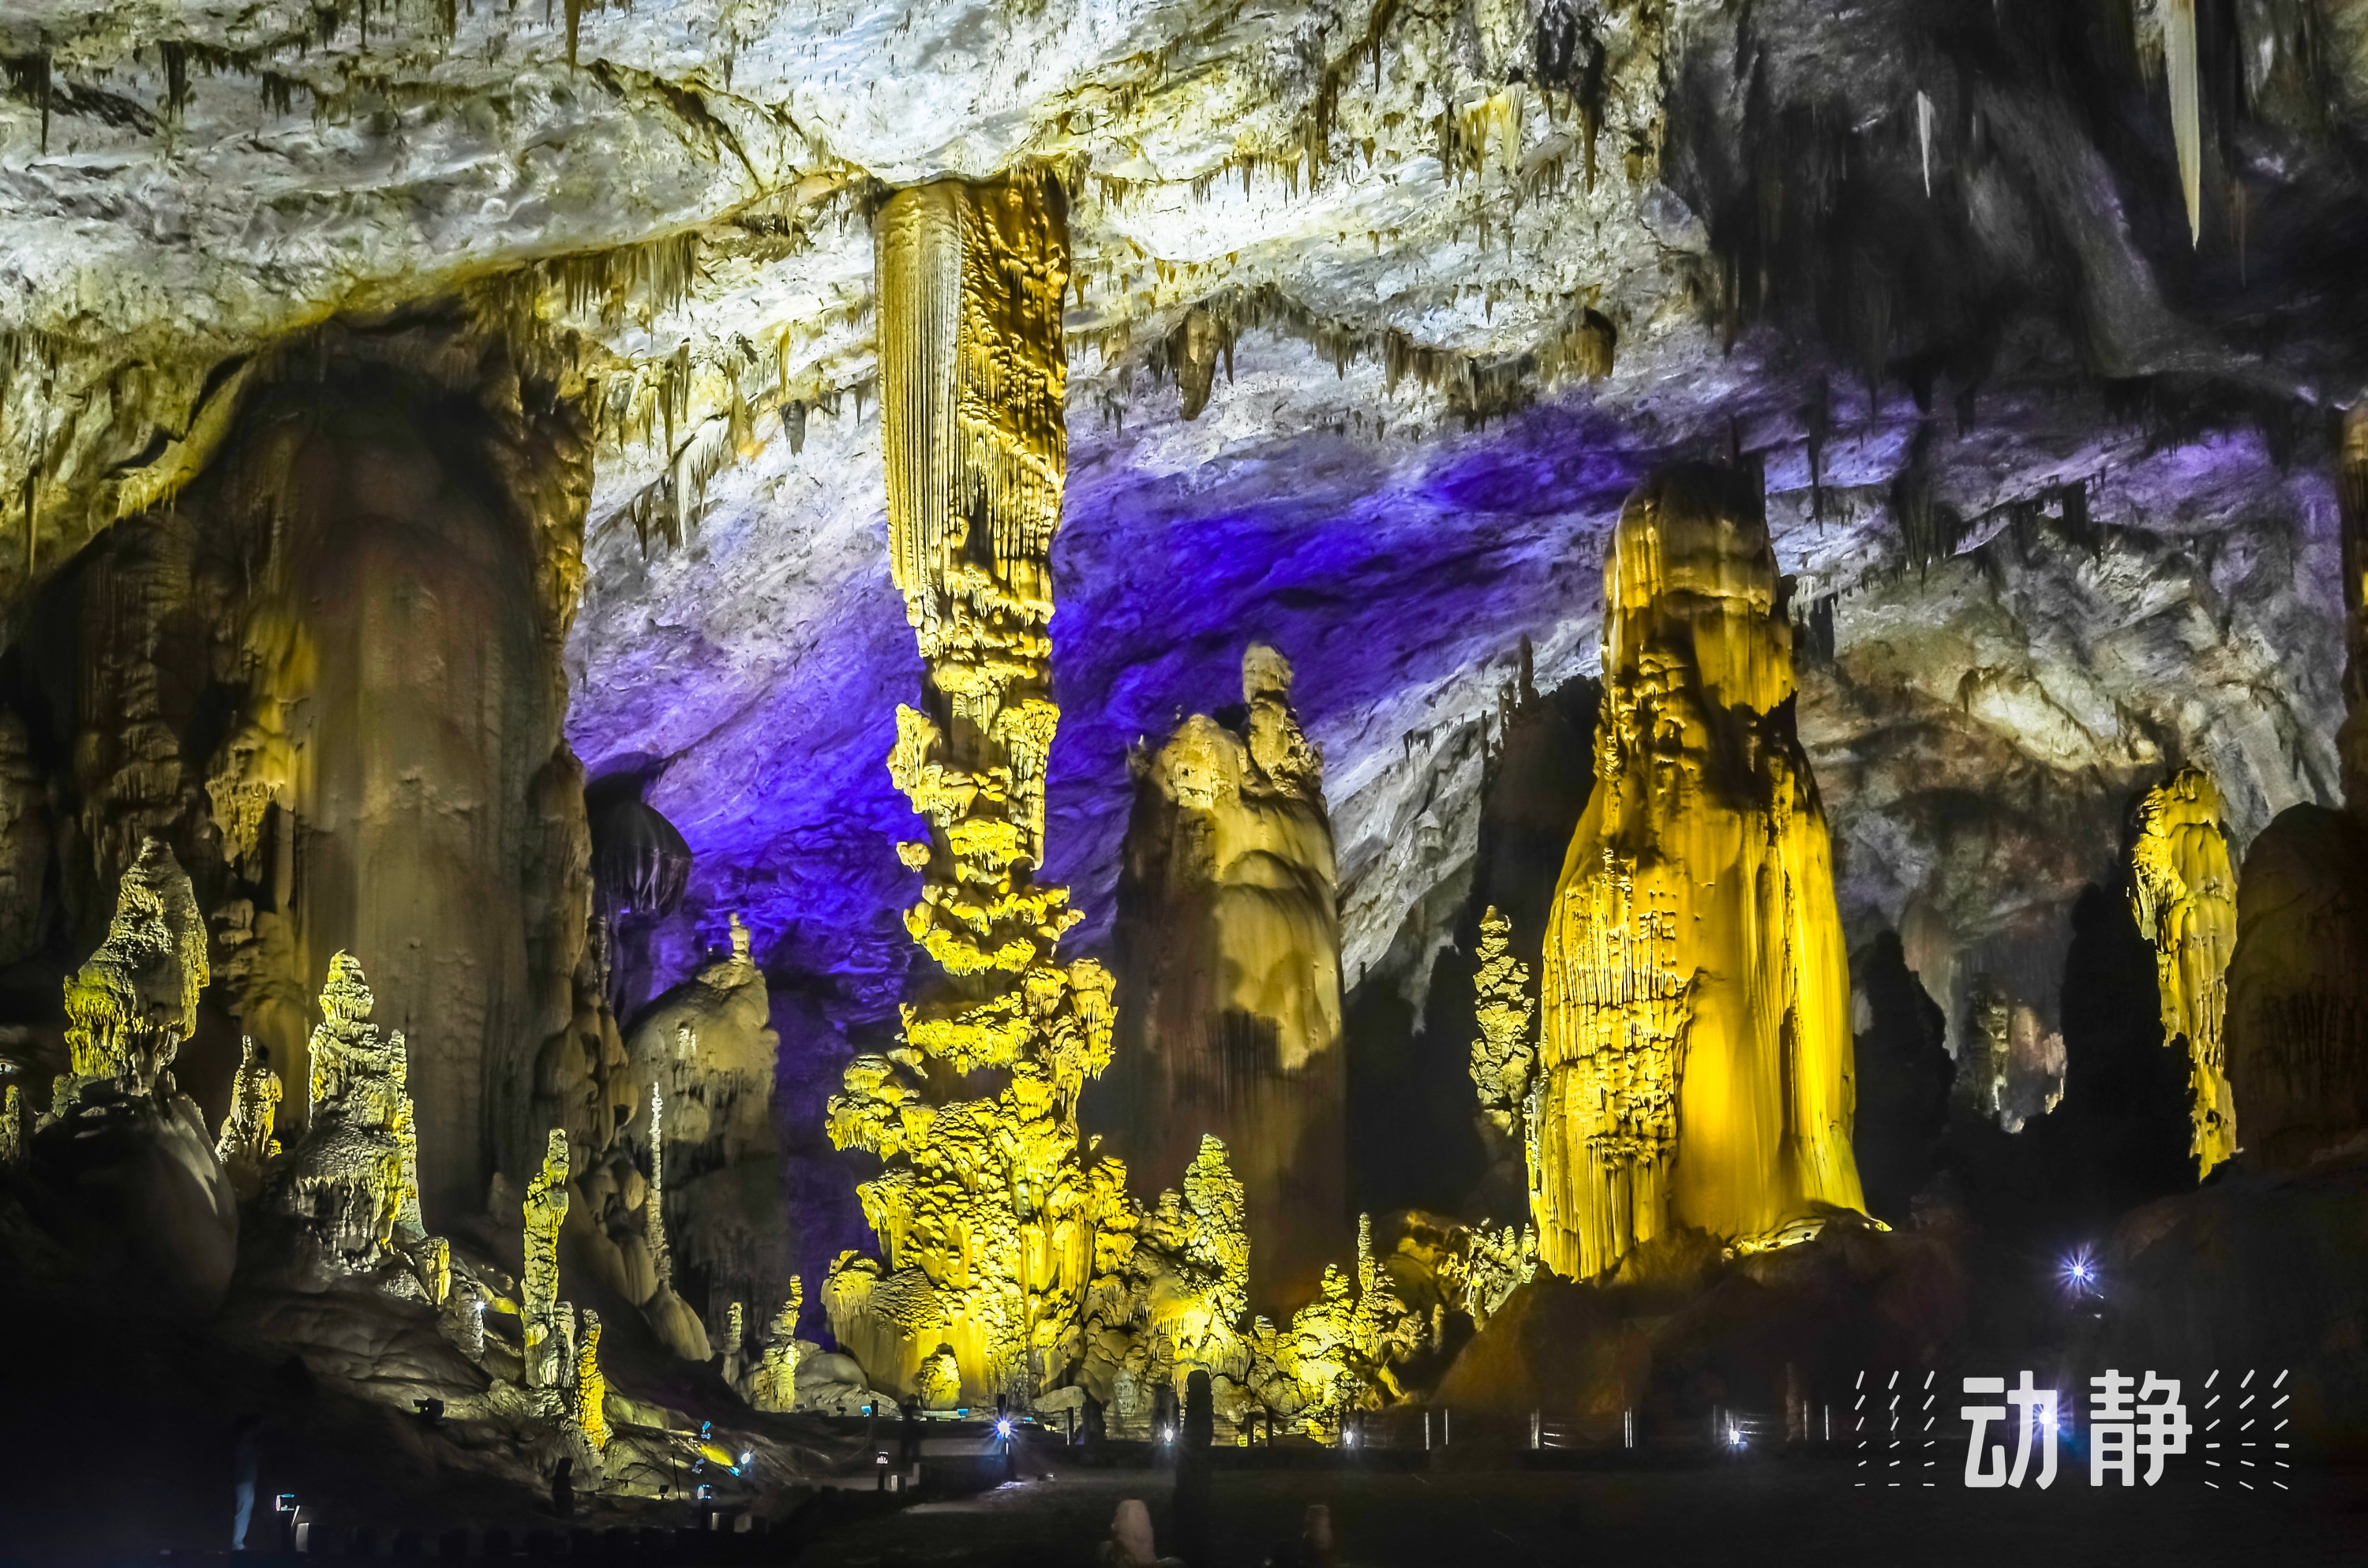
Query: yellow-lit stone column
{"points": [[984, 1212], [1696, 1039], [2183, 892]]}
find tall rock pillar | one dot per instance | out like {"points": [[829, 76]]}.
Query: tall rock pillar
{"points": [[1696, 1044], [984, 1212], [1228, 946], [2297, 1023]]}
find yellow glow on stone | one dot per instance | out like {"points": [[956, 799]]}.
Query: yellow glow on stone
{"points": [[2183, 892], [1696, 1044]]}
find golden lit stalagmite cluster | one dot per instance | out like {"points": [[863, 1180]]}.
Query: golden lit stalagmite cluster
{"points": [[986, 1214], [1696, 1050], [2183, 892]]}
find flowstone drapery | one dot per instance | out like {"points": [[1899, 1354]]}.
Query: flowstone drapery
{"points": [[2183, 892], [1697, 1044], [985, 1212]]}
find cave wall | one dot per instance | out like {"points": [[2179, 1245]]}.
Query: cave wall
{"points": [[328, 675]]}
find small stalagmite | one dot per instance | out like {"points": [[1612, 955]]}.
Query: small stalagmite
{"points": [[354, 1179], [2183, 892], [591, 1386], [539, 1308], [1696, 1041], [246, 1146], [1229, 1011]]}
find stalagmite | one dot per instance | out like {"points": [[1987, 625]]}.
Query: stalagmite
{"points": [[591, 1386], [654, 1205], [539, 1308], [13, 1147], [246, 1145], [1696, 1041], [1504, 1058], [1228, 959], [135, 1000], [354, 1177], [2186, 117], [2183, 892], [773, 1383], [984, 1213]]}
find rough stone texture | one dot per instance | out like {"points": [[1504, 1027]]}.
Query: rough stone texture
{"points": [[1228, 955], [2297, 1020]]}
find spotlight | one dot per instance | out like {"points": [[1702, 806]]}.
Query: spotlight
{"points": [[1734, 1435], [747, 1455], [1168, 1433], [2079, 1273], [1003, 1429], [1350, 1436]]}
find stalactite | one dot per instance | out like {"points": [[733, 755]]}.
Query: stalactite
{"points": [[2183, 892], [1696, 1043], [1924, 137], [2186, 118]]}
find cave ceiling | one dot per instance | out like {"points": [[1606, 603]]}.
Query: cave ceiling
{"points": [[2059, 477]]}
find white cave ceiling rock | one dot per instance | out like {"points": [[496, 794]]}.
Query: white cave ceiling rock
{"points": [[1388, 216]]}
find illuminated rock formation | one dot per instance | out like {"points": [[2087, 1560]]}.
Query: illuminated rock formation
{"points": [[2297, 1018], [1505, 1056], [1335, 1356], [591, 1386], [702, 1058], [773, 1382], [539, 1308], [1696, 1045], [984, 1213], [353, 1177], [1228, 968], [135, 1000], [13, 1147], [374, 575], [2183, 892], [246, 1145], [356, 1169]]}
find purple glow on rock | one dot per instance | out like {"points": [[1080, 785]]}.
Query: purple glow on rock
{"points": [[1375, 568]]}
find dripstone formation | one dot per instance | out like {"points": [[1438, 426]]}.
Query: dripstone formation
{"points": [[1228, 967], [1696, 1046]]}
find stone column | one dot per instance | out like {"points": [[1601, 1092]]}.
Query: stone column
{"points": [[1696, 1043]]}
